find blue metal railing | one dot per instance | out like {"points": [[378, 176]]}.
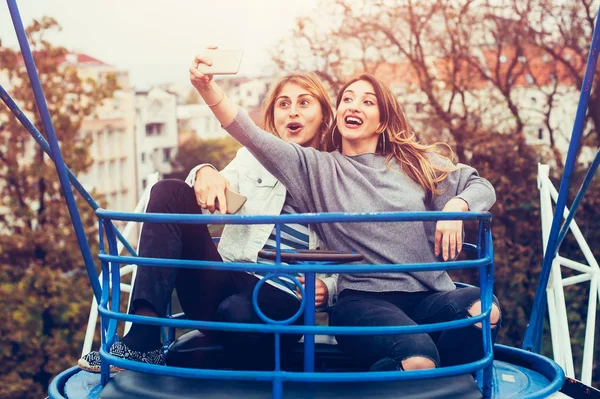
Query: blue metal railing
{"points": [[111, 314]]}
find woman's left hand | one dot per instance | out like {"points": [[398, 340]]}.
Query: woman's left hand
{"points": [[321, 293], [448, 233]]}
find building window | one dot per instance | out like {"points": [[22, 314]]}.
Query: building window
{"points": [[419, 107], [144, 183], [143, 157], [154, 129], [540, 133], [166, 155]]}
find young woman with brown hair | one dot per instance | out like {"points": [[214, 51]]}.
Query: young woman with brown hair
{"points": [[379, 167]]}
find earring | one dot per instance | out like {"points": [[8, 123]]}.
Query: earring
{"points": [[333, 139], [383, 143]]}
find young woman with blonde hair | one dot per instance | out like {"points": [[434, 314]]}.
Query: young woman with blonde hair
{"points": [[379, 166], [297, 110]]}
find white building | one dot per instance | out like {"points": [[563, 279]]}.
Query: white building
{"points": [[111, 127], [156, 133], [112, 173], [199, 121]]}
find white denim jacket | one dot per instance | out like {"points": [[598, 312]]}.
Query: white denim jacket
{"points": [[266, 196]]}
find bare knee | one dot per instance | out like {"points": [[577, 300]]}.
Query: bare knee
{"points": [[417, 363], [475, 310]]}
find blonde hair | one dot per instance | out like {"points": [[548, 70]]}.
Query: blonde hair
{"points": [[313, 85], [397, 140]]}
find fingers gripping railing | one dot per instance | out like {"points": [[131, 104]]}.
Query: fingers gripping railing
{"points": [[483, 262]]}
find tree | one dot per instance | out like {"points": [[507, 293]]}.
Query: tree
{"points": [[467, 68], [467, 72], [45, 288], [195, 151], [563, 31]]}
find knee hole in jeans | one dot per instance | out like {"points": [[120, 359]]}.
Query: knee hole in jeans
{"points": [[475, 310], [417, 363]]}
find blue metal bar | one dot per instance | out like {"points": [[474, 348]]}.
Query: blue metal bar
{"points": [[487, 301], [329, 217], [116, 283], [277, 382], [277, 244], [533, 333], [291, 329], [298, 375], [37, 136], [106, 321], [309, 320], [59, 162], [304, 267], [580, 194]]}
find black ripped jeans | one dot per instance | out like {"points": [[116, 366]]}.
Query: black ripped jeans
{"points": [[210, 295], [444, 348]]}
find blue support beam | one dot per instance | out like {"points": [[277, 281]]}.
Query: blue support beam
{"points": [[59, 162], [533, 334], [37, 136]]}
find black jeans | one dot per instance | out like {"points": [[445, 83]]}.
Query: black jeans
{"points": [[210, 295], [445, 348]]}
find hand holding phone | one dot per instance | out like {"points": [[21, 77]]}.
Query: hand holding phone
{"points": [[234, 200], [222, 61]]}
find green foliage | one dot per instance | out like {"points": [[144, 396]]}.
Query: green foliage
{"points": [[217, 152], [45, 290]]}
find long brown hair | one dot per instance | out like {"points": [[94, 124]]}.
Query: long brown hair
{"points": [[397, 140], [313, 85]]}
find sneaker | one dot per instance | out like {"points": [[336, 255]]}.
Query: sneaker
{"points": [[91, 361]]}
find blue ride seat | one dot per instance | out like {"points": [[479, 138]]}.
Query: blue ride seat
{"points": [[195, 350], [136, 385]]}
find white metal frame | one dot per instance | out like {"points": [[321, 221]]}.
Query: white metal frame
{"points": [[125, 270], [557, 308]]}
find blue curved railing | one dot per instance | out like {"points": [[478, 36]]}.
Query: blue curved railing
{"points": [[111, 315]]}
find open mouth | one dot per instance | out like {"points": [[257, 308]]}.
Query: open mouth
{"points": [[294, 127], [353, 121]]}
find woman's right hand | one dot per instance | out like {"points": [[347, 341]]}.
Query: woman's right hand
{"points": [[199, 80], [210, 186]]}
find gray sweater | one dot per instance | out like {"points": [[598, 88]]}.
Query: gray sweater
{"points": [[332, 182]]}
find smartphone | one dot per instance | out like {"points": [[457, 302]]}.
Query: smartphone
{"points": [[224, 62], [235, 201]]}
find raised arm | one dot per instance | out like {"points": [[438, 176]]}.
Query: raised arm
{"points": [[289, 163]]}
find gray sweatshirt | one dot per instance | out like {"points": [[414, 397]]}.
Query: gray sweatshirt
{"points": [[332, 182]]}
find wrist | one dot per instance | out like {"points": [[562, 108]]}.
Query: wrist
{"points": [[457, 204], [203, 167]]}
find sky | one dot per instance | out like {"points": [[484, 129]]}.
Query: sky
{"points": [[157, 40]]}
